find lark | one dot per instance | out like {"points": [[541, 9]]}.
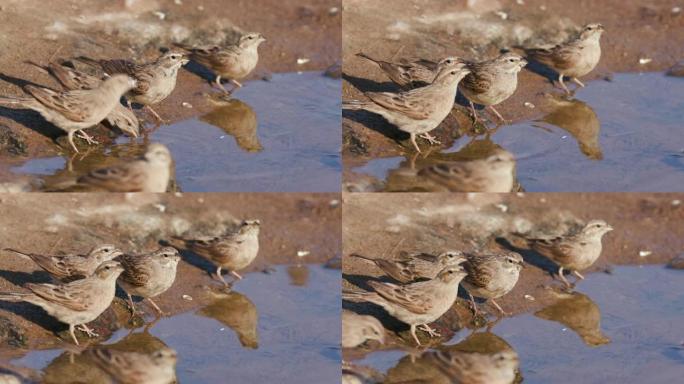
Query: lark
{"points": [[409, 268], [490, 82], [75, 303], [149, 173], [417, 303], [158, 367], [233, 251], [420, 110], [491, 274], [357, 329], [73, 267], [149, 275], [574, 58], [233, 62], [155, 80], [73, 111], [72, 79], [574, 252], [410, 74]]}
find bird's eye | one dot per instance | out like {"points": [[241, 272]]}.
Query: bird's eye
{"points": [[107, 267], [106, 249], [251, 37], [453, 72]]}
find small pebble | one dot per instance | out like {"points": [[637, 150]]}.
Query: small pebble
{"points": [[178, 2], [187, 297], [502, 15], [677, 262], [529, 297], [676, 203], [302, 61], [160, 15], [645, 253], [302, 253], [676, 10], [185, 104], [528, 105], [645, 60], [333, 11]]}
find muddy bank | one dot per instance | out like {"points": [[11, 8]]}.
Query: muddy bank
{"points": [[302, 36], [639, 37], [380, 225], [296, 229]]}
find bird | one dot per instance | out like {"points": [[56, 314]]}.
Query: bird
{"points": [[75, 110], [492, 173], [418, 303], [73, 267], [77, 302], [572, 251], [233, 62], [419, 110], [408, 267], [233, 251], [149, 173], [357, 329], [409, 74], [149, 275], [71, 79], [156, 80], [236, 311], [491, 274], [573, 58], [490, 82], [126, 367]]}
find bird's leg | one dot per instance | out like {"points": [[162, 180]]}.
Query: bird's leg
{"points": [[565, 281], [495, 304], [476, 119], [429, 330], [70, 138], [560, 80], [237, 275], [73, 336], [236, 83], [578, 82], [84, 328], [86, 137], [579, 275], [413, 140], [131, 305], [476, 311], [491, 108], [431, 139], [156, 307], [220, 276], [413, 333], [156, 116]]}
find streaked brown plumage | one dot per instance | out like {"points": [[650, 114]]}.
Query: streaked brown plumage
{"points": [[408, 268], [410, 74], [149, 275], [125, 367], [491, 274], [73, 267]]}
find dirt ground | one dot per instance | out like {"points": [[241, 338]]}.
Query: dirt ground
{"points": [[296, 228], [640, 36], [647, 230], [301, 36]]}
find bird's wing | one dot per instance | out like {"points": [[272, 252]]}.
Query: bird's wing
{"points": [[405, 296], [405, 103], [70, 104], [60, 294]]}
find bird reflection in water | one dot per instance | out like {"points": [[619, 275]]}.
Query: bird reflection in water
{"points": [[579, 313], [579, 120], [237, 119], [236, 311]]}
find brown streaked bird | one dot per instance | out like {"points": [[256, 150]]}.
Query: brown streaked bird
{"points": [[233, 62], [357, 329], [73, 267], [236, 311], [420, 110], [573, 251], [149, 275], [417, 303], [233, 251], [579, 313], [573, 58], [410, 74], [73, 111], [156, 80], [490, 82], [491, 274], [125, 367], [418, 266], [75, 303], [149, 173], [71, 79]]}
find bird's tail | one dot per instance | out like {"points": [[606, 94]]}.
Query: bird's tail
{"points": [[13, 296], [42, 68], [362, 257], [16, 102], [354, 105], [22, 254], [363, 55]]}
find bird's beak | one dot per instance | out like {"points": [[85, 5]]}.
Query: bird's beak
{"points": [[523, 63]]}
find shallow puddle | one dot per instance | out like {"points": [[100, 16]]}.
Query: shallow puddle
{"points": [[281, 135], [625, 327], [282, 327], [613, 136]]}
